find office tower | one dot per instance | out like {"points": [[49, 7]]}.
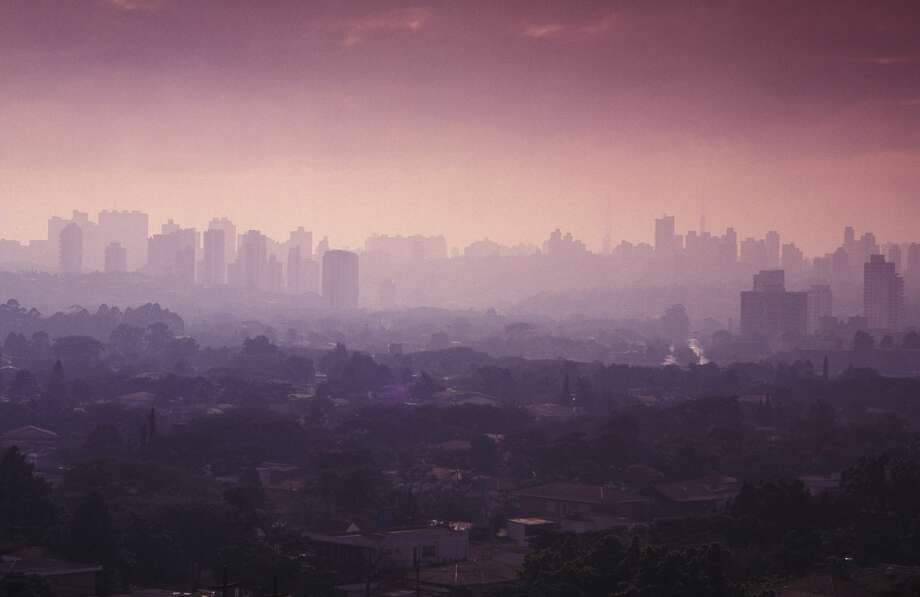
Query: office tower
{"points": [[169, 227], [820, 305], [754, 253], [840, 264], [893, 253], [773, 280], [302, 239], [128, 228], [406, 249], [173, 254], [214, 261], [772, 246], [729, 250], [665, 237], [913, 258], [822, 268], [321, 248], [70, 249], [913, 268], [252, 258], [883, 294], [340, 279], [274, 275], [92, 253], [309, 276], [769, 311], [563, 245], [793, 260], [294, 269], [230, 237], [116, 258], [849, 236]]}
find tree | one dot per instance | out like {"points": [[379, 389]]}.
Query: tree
{"points": [[90, 534], [676, 323], [80, 350], [56, 389], [565, 396], [20, 585], [103, 440], [127, 340], [259, 346], [424, 388], [483, 453], [333, 362], [26, 510], [152, 426], [24, 386]]}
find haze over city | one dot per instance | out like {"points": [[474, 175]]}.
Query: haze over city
{"points": [[464, 119], [361, 298]]}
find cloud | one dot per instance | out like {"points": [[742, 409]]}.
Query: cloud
{"points": [[888, 60], [136, 5], [407, 20], [569, 32], [544, 31]]}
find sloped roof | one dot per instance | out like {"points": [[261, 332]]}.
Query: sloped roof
{"points": [[707, 489], [564, 491], [29, 432]]}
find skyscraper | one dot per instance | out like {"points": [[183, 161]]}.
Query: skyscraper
{"points": [[303, 240], [913, 268], [70, 249], [665, 237], [793, 260], [883, 294], [769, 311], [340, 279], [253, 260], [294, 270], [230, 238], [214, 261], [820, 305], [173, 254], [128, 228], [116, 258], [772, 246]]}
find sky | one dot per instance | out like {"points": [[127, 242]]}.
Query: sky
{"points": [[472, 119]]}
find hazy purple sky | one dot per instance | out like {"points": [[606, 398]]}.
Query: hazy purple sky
{"points": [[494, 118]]}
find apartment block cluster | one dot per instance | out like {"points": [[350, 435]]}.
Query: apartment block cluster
{"points": [[770, 311], [120, 242]]}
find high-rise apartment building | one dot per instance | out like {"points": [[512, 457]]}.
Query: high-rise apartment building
{"points": [[128, 228], [340, 279], [820, 305], [214, 257], [665, 237], [769, 311], [252, 260], [70, 249], [116, 258], [883, 294]]}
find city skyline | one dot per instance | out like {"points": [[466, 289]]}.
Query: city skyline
{"points": [[365, 118]]}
